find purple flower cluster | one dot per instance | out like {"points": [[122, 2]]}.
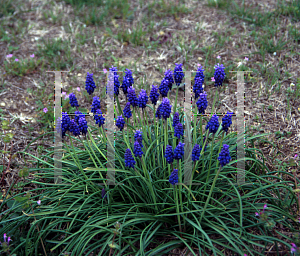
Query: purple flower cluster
{"points": [[213, 124], [196, 153], [164, 88], [143, 99], [224, 156], [82, 123], [116, 80], [165, 110], [198, 82], [158, 114], [73, 127], [219, 75], [202, 103], [127, 112], [120, 122], [175, 119], [137, 149], [178, 74], [178, 131], [89, 83], [169, 78], [154, 94], [169, 154], [129, 160], [132, 97], [99, 118], [226, 121], [174, 177], [179, 151], [95, 104], [73, 100], [78, 114], [65, 123], [138, 136]]}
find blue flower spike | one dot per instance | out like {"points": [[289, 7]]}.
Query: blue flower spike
{"points": [[174, 177], [100, 120], [226, 121], [224, 156], [129, 160], [73, 100], [196, 153], [120, 122], [89, 83], [213, 124], [219, 75], [179, 151], [169, 155], [154, 94], [178, 74], [95, 104]]}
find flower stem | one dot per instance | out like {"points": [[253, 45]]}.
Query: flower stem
{"points": [[211, 152], [176, 99], [177, 207]]}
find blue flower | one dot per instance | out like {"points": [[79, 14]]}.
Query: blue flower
{"points": [[138, 136], [78, 114], [164, 88], [169, 77], [95, 104], [158, 114], [143, 99], [154, 94], [165, 108], [89, 83], [200, 74], [202, 103], [65, 123], [199, 80], [174, 177], [196, 153], [179, 151], [197, 88], [127, 112], [125, 85], [73, 100], [224, 156], [129, 160], [219, 74], [128, 75], [132, 97], [213, 124], [178, 74], [99, 118], [175, 119], [120, 122], [137, 149], [74, 128], [178, 131], [169, 155], [116, 80], [82, 123], [226, 121]]}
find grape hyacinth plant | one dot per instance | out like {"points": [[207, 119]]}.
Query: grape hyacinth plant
{"points": [[149, 195]]}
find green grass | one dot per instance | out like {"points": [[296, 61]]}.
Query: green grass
{"points": [[56, 53]]}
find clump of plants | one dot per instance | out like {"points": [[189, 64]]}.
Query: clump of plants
{"points": [[166, 183]]}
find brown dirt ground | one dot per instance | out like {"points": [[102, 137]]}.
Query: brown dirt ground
{"points": [[17, 101]]}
